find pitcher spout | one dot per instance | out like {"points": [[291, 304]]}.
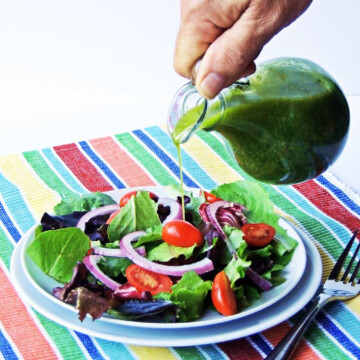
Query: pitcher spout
{"points": [[187, 103]]}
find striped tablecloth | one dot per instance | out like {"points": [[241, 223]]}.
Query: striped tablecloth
{"points": [[33, 182]]}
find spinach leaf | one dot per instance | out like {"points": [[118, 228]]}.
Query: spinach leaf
{"points": [[57, 252], [139, 213]]}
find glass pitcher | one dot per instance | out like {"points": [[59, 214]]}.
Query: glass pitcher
{"points": [[284, 124]]}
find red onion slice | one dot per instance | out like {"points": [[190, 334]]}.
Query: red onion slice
{"points": [[211, 211], [116, 252], [203, 266], [175, 209], [103, 210], [91, 264]]}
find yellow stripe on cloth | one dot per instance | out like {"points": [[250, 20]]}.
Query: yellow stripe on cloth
{"points": [[37, 195], [210, 162], [158, 353]]}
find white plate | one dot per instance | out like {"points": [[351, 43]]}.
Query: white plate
{"points": [[254, 323], [292, 273]]}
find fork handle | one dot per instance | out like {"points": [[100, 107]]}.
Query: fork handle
{"points": [[286, 346]]}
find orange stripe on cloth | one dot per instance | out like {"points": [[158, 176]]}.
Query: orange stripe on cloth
{"points": [[302, 352], [125, 166], [20, 326]]}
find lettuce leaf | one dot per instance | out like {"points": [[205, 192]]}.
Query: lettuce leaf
{"points": [[165, 252], [85, 202], [139, 213], [57, 252], [189, 295], [261, 209]]}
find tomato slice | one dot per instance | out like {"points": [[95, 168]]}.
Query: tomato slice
{"points": [[145, 280], [210, 198], [258, 235], [111, 217], [222, 295], [124, 200], [181, 233]]}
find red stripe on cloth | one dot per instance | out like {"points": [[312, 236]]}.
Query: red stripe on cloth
{"points": [[20, 326], [82, 168], [239, 349], [328, 204], [129, 171], [302, 352]]}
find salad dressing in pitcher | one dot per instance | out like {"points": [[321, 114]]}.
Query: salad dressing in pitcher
{"points": [[285, 124]]}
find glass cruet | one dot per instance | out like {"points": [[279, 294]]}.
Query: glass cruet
{"points": [[284, 124]]}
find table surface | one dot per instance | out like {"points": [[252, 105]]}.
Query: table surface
{"points": [[324, 210]]}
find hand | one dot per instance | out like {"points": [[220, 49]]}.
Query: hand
{"points": [[227, 35]]}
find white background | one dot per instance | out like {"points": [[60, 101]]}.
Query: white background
{"points": [[79, 69]]}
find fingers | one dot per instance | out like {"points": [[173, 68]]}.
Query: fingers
{"points": [[230, 57], [228, 35], [194, 38]]}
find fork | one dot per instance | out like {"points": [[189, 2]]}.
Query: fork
{"points": [[332, 289]]}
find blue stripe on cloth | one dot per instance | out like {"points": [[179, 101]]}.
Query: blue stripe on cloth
{"points": [[6, 348], [344, 316], [62, 171], [339, 194], [174, 168], [89, 346], [260, 343], [340, 337], [104, 168], [15, 203], [4, 218], [188, 162], [212, 352], [305, 205], [114, 350]]}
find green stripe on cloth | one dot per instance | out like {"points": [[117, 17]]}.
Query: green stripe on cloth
{"points": [[62, 338], [190, 353], [6, 249], [46, 173], [143, 156]]}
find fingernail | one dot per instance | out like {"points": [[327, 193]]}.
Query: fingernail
{"points": [[212, 84]]}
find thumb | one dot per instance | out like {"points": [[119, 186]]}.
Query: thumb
{"points": [[230, 57]]}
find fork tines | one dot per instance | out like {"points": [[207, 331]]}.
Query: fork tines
{"points": [[340, 263]]}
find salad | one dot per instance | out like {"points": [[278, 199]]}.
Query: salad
{"points": [[143, 258]]}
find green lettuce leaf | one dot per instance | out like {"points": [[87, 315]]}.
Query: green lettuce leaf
{"points": [[189, 295], [165, 252], [261, 209], [56, 252], [114, 266], [139, 213], [85, 202]]}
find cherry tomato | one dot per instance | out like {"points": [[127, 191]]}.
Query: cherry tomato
{"points": [[89, 252], [258, 235], [126, 197], [181, 233], [111, 217], [211, 198], [145, 280], [222, 295]]}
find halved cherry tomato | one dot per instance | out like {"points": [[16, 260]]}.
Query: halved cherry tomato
{"points": [[258, 235], [126, 197], [210, 198], [222, 295], [145, 280], [181, 233], [111, 217]]}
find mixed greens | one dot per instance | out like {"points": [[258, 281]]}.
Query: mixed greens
{"points": [[142, 260]]}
